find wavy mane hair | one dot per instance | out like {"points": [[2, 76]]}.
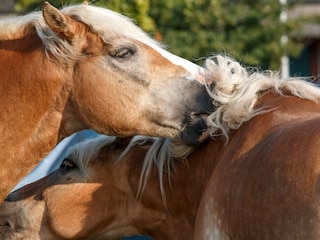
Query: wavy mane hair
{"points": [[102, 21], [237, 89], [85, 152], [234, 95]]}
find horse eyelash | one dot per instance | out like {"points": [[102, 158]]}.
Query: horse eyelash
{"points": [[68, 164], [124, 52]]}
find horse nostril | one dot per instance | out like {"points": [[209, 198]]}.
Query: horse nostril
{"points": [[5, 223]]}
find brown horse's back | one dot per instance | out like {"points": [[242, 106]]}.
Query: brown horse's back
{"points": [[266, 185]]}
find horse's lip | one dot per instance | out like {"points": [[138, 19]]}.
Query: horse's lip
{"points": [[205, 134], [202, 115], [195, 130], [5, 224]]}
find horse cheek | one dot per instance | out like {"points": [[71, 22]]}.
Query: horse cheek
{"points": [[67, 209]]}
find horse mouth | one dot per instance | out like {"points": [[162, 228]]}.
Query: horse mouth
{"points": [[195, 130], [5, 224]]}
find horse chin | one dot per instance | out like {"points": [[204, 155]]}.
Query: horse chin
{"points": [[195, 133]]}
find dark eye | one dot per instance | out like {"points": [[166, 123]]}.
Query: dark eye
{"points": [[124, 53], [67, 164]]}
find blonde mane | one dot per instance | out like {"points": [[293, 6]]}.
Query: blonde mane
{"points": [[86, 151], [104, 22], [237, 89], [159, 154]]}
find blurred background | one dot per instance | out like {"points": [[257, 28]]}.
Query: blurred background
{"points": [[281, 35], [269, 34]]}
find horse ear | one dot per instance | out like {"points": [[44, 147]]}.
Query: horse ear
{"points": [[60, 23]]}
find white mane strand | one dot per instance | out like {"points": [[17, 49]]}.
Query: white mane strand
{"points": [[158, 155], [236, 91], [108, 23], [85, 152]]}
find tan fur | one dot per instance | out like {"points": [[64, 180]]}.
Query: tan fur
{"points": [[66, 76], [264, 186], [101, 201]]}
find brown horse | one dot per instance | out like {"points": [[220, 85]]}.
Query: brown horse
{"points": [[88, 67], [266, 181], [95, 197]]}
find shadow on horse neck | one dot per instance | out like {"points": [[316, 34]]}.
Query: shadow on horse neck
{"points": [[97, 195]]}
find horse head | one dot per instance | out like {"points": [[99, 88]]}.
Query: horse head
{"points": [[86, 67], [97, 193], [125, 83]]}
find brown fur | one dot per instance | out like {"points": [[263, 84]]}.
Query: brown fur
{"points": [[102, 203], [265, 184], [70, 79]]}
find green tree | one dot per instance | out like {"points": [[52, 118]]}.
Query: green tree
{"points": [[137, 10], [248, 30]]}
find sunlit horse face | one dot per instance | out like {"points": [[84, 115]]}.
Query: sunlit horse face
{"points": [[86, 67], [124, 83], [92, 197]]}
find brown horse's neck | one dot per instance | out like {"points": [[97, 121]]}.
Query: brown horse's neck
{"points": [[33, 93], [188, 180], [263, 175]]}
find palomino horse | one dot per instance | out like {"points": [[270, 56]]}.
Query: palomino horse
{"points": [[91, 196], [88, 67]]}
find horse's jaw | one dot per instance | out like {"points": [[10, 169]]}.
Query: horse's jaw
{"points": [[70, 123]]}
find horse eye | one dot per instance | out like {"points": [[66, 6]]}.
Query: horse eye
{"points": [[124, 53], [67, 164]]}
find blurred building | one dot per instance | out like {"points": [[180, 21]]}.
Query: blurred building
{"points": [[308, 63], [6, 7]]}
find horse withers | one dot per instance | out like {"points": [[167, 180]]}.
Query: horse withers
{"points": [[96, 195], [87, 67]]}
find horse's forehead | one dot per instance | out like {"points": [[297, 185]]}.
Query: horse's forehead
{"points": [[107, 23], [110, 24]]}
